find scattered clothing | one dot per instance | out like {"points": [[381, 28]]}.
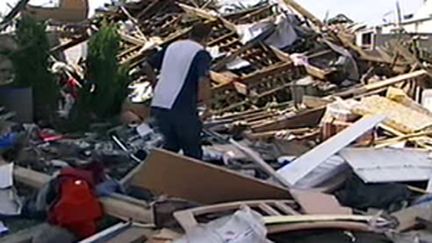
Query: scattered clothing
{"points": [[8, 141], [107, 188]]}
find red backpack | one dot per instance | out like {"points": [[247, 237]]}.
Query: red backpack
{"points": [[77, 208]]}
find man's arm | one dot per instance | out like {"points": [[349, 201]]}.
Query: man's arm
{"points": [[154, 62], [148, 70], [204, 94], [204, 83]]}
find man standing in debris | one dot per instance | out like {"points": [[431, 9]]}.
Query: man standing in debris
{"points": [[183, 82]]}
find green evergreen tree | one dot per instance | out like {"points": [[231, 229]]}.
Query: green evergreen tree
{"points": [[107, 81], [31, 66]]}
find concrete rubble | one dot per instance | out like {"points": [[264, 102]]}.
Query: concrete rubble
{"points": [[311, 134]]}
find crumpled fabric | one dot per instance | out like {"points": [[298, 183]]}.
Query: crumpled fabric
{"points": [[8, 141], [107, 188], [356, 194]]}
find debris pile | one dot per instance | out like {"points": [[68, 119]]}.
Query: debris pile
{"points": [[310, 135]]}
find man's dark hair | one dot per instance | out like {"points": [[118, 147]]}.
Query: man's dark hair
{"points": [[200, 31]]}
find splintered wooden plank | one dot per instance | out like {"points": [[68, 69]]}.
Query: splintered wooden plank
{"points": [[168, 173], [308, 118], [398, 116], [269, 210], [382, 84], [302, 166], [285, 208], [272, 220], [299, 8]]}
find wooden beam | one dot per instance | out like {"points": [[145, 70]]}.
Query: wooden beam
{"points": [[220, 78], [119, 208], [364, 54], [13, 13], [403, 138], [197, 11], [337, 225], [319, 73], [385, 83], [297, 7], [222, 63], [69, 44], [314, 71], [309, 118], [131, 39], [274, 220], [134, 21], [147, 9], [272, 134], [122, 233], [408, 55]]}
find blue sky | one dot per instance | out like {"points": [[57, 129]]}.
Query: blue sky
{"points": [[367, 11]]}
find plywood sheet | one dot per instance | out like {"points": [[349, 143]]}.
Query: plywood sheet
{"points": [[398, 116], [328, 204], [168, 173]]}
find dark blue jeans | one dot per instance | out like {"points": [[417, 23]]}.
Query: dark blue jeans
{"points": [[180, 131]]}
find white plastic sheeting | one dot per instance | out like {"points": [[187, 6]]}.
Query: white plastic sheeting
{"points": [[245, 226]]}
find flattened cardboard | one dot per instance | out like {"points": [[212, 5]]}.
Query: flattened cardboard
{"points": [[168, 173]]}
